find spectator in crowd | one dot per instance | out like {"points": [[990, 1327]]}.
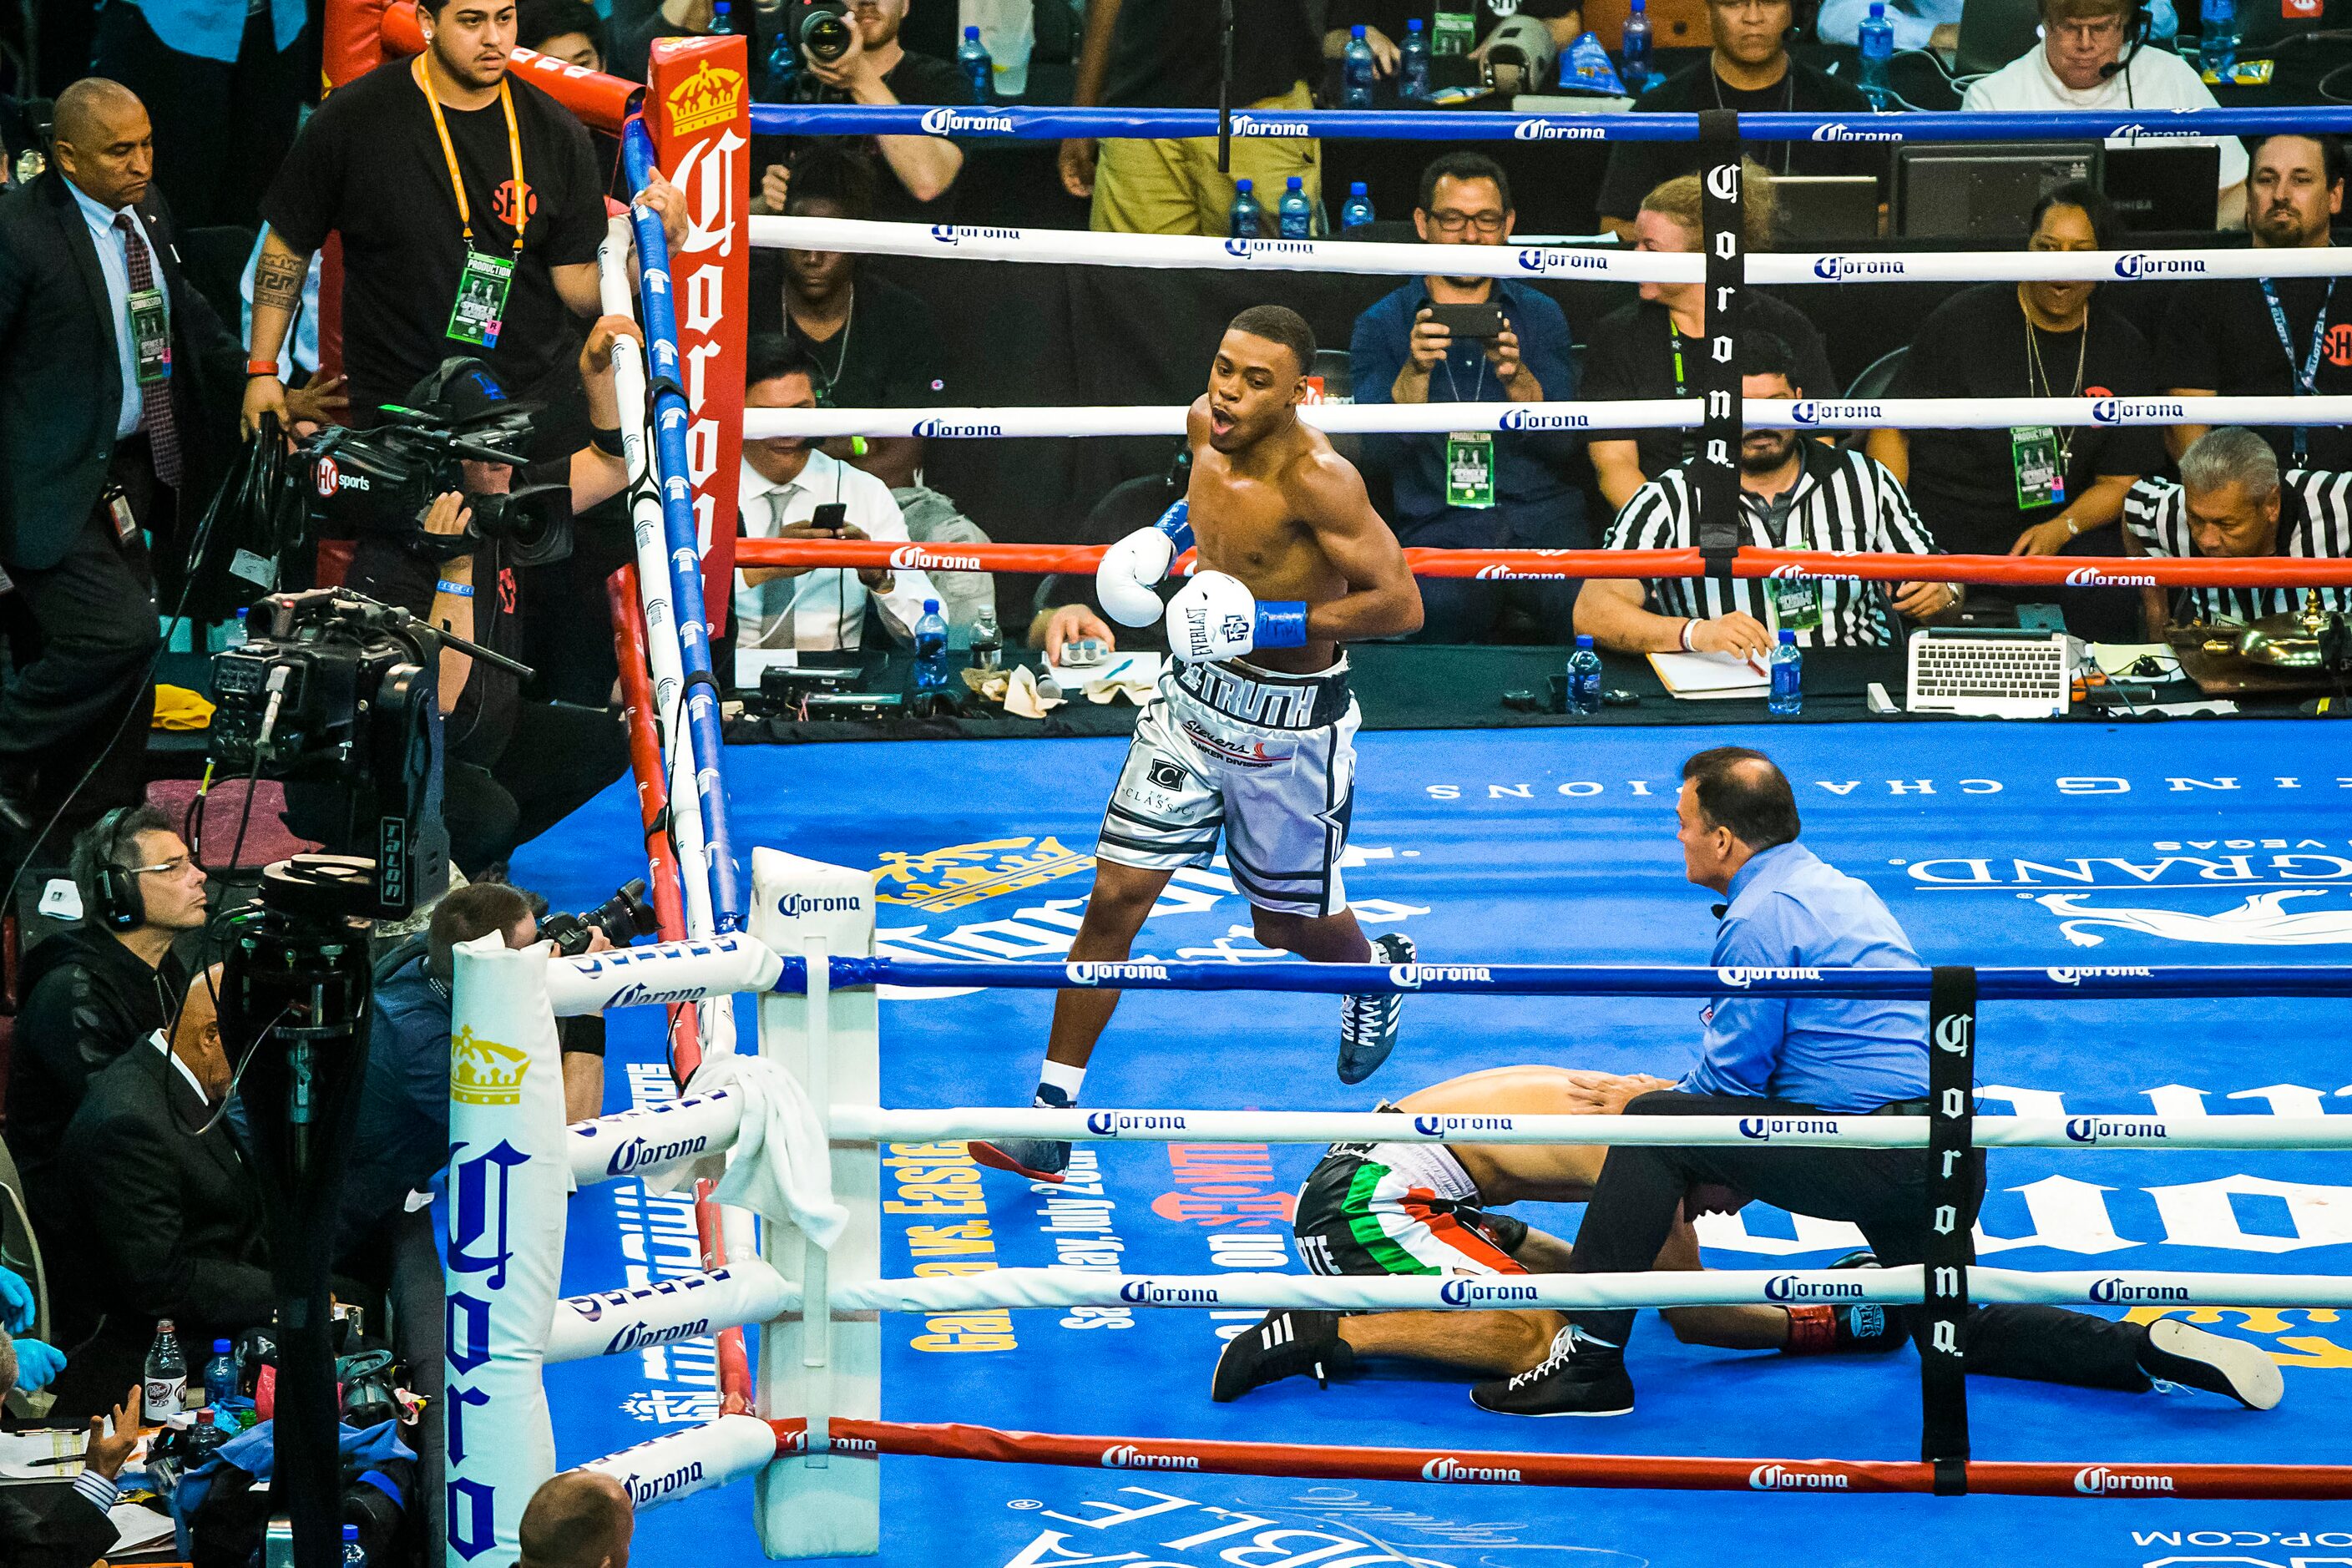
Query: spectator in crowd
{"points": [[95, 991], [566, 30], [512, 768], [792, 489], [2271, 337], [1164, 54], [876, 70], [2029, 490], [1749, 69], [1384, 24], [2232, 502], [1794, 495], [635, 24], [1653, 347], [165, 1218], [224, 86], [577, 1518], [418, 166], [2089, 58], [1475, 490], [1936, 24], [115, 375], [50, 1527]]}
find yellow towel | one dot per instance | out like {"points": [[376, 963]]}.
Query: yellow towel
{"points": [[177, 707]]}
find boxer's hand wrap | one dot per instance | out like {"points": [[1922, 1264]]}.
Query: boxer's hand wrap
{"points": [[1124, 578], [1216, 616]]}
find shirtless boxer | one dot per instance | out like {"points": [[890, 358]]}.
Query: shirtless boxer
{"points": [[1252, 729], [1422, 1208]]}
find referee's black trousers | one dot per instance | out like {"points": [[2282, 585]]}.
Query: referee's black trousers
{"points": [[1883, 1191]]}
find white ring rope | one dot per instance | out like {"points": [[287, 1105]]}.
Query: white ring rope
{"points": [[1082, 247], [1630, 413]]}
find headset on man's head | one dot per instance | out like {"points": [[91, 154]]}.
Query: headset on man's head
{"points": [[115, 889]]}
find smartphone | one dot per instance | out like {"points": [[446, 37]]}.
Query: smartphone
{"points": [[1469, 321], [831, 516]]}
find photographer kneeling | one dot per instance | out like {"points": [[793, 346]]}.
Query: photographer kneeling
{"points": [[512, 768]]}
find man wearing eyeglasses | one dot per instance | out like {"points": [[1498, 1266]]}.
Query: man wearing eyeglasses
{"points": [[1447, 339], [93, 992]]}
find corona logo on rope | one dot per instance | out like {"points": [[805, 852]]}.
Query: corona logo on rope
{"points": [[1513, 574], [947, 428], [1838, 131], [2115, 1291], [2127, 410], [1808, 411], [1534, 259], [1781, 1479], [915, 558], [962, 874], [2107, 972], [1835, 268], [1479, 1292], [1448, 1469], [1790, 1288], [1251, 125], [484, 1072], [2092, 577], [2097, 1481], [1445, 1126], [1128, 1456], [956, 122], [1552, 130], [949, 234], [638, 1155], [709, 97], [1528, 419], [1149, 1293], [2140, 264], [1739, 979], [1110, 1123], [1248, 249], [1097, 972], [1412, 976], [2091, 1129], [1762, 1128]]}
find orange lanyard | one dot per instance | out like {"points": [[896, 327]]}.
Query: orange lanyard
{"points": [[424, 75]]}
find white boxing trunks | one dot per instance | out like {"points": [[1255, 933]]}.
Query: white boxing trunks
{"points": [[1269, 757]]}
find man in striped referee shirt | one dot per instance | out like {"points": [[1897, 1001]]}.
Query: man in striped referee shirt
{"points": [[1796, 494], [2233, 500]]}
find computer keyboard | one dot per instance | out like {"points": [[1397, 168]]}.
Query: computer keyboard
{"points": [[1989, 674]]}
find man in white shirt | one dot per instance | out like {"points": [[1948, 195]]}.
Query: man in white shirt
{"points": [[1932, 23], [790, 491], [2088, 59]]}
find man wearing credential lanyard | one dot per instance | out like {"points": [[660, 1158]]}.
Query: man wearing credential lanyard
{"points": [[470, 208]]}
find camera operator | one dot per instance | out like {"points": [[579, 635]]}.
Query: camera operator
{"points": [[876, 70], [512, 768]]}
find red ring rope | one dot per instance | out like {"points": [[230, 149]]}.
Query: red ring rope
{"points": [[1671, 1473], [2061, 571]]}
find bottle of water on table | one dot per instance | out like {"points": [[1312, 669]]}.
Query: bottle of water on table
{"points": [[1356, 70], [979, 71], [987, 640], [723, 19], [931, 650], [1357, 209], [1876, 37], [1243, 219], [1787, 676], [165, 1381], [354, 1554], [784, 67], [1634, 51], [220, 1376], [2217, 38], [1413, 70], [1583, 678], [1295, 215]]}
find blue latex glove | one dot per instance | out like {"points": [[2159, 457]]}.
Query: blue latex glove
{"points": [[37, 1365], [16, 1305]]}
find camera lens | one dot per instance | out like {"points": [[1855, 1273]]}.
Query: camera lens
{"points": [[824, 33]]}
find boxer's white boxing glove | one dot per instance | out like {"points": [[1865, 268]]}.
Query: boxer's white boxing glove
{"points": [[1124, 577], [1216, 616]]}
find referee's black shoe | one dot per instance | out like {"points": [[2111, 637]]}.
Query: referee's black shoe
{"points": [[2177, 1353], [1290, 1343], [1581, 1376]]}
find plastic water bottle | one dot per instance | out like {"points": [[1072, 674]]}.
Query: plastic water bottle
{"points": [[1295, 215], [1356, 211], [1633, 50], [1876, 37], [166, 1376], [1412, 72], [220, 1376], [979, 71], [931, 650], [354, 1554], [2217, 38], [1243, 219], [234, 634], [1356, 71], [783, 65], [1787, 676], [207, 1436], [722, 20], [1583, 678], [987, 640]]}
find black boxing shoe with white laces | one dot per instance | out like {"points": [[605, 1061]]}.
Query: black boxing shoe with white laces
{"points": [[1367, 1024], [1292, 1343], [2178, 1353], [1581, 1376]]}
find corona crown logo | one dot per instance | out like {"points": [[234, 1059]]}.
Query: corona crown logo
{"points": [[484, 1072], [709, 96], [962, 874]]}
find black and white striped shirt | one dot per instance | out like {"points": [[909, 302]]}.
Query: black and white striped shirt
{"points": [[2315, 523], [1841, 502]]}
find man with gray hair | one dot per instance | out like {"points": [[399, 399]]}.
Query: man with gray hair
{"points": [[2233, 500]]}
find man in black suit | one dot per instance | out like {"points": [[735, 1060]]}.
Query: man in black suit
{"points": [[118, 384], [167, 1222], [66, 1526]]}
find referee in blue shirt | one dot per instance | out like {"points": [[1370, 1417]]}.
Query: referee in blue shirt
{"points": [[1787, 1056]]}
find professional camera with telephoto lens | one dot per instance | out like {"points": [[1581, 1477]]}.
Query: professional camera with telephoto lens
{"points": [[382, 480], [622, 918], [819, 30]]}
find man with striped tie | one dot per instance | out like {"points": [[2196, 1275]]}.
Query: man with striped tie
{"points": [[113, 370], [2233, 500], [1795, 494]]}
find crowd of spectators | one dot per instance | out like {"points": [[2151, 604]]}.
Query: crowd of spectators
{"points": [[468, 206]]}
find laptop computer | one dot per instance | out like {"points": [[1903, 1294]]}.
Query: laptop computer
{"points": [[2162, 186], [1826, 207], [1985, 191]]}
